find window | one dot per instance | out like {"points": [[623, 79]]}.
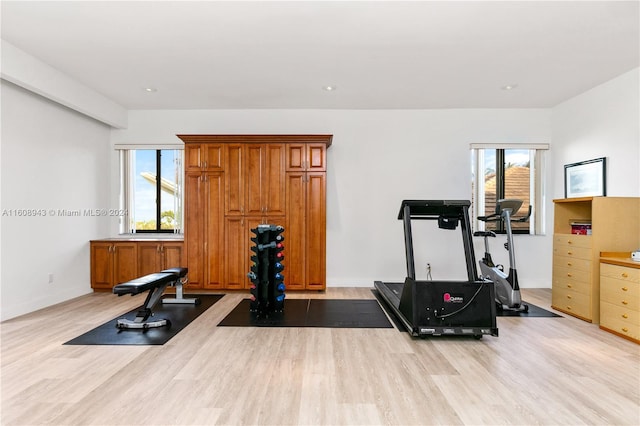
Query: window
{"points": [[151, 190], [508, 171]]}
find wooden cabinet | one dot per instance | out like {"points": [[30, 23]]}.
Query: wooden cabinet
{"points": [[305, 241], [306, 157], [620, 295], [254, 183], [266, 196], [117, 261], [576, 258], [112, 263], [254, 194], [155, 256], [203, 157], [238, 247], [279, 179], [572, 269], [203, 233], [305, 250]]}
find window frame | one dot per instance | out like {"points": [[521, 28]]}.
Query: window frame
{"points": [[127, 191], [537, 165]]}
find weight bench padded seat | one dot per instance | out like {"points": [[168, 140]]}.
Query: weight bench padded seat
{"points": [[181, 272], [155, 284], [142, 284]]}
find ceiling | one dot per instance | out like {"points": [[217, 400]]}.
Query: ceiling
{"points": [[378, 55]]}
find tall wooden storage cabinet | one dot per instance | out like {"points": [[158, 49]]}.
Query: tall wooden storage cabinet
{"points": [[278, 179], [306, 219], [204, 254], [576, 267]]}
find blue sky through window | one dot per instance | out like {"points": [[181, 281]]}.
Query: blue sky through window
{"points": [[145, 189], [517, 157]]}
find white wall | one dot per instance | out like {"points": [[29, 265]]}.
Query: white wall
{"points": [[52, 158], [379, 158], [602, 122]]}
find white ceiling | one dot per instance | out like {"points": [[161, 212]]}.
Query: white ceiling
{"points": [[379, 55]]}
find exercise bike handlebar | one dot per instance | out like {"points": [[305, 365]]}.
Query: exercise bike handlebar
{"points": [[491, 218], [524, 218], [499, 216]]}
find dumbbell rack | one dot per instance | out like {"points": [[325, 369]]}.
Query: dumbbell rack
{"points": [[267, 281]]}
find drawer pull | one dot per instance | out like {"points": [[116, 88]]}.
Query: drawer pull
{"points": [[569, 274], [569, 264], [624, 275], [624, 302], [569, 242], [625, 289], [625, 329], [569, 286], [569, 308], [625, 316], [569, 253], [568, 296]]}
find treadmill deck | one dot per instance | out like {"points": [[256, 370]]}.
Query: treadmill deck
{"points": [[391, 294]]}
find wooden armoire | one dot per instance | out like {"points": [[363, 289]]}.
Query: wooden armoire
{"points": [[235, 182]]}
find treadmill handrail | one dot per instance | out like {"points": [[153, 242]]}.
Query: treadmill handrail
{"points": [[433, 208]]}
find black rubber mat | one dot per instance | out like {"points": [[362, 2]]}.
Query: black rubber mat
{"points": [[295, 309], [179, 315], [328, 313], [534, 311]]}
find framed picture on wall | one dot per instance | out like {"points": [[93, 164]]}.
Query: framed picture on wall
{"points": [[585, 179]]}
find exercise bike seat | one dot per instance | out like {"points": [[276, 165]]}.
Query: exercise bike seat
{"points": [[484, 234]]}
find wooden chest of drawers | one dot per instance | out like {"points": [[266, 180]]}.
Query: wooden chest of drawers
{"points": [[573, 291], [615, 228], [620, 297]]}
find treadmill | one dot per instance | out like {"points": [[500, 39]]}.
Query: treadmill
{"points": [[441, 308]]}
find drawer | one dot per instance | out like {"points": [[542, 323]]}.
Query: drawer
{"points": [[572, 263], [572, 302], [620, 293], [578, 287], [613, 320], [572, 240], [572, 252], [572, 275], [617, 313], [620, 272]]}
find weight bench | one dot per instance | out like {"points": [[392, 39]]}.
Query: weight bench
{"points": [[155, 284]]}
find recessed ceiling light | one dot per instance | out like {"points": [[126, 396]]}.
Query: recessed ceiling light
{"points": [[509, 87], [149, 89], [329, 88]]}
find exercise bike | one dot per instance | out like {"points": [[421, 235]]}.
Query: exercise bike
{"points": [[507, 290]]}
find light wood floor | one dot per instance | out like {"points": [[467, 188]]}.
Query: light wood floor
{"points": [[539, 371]]}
